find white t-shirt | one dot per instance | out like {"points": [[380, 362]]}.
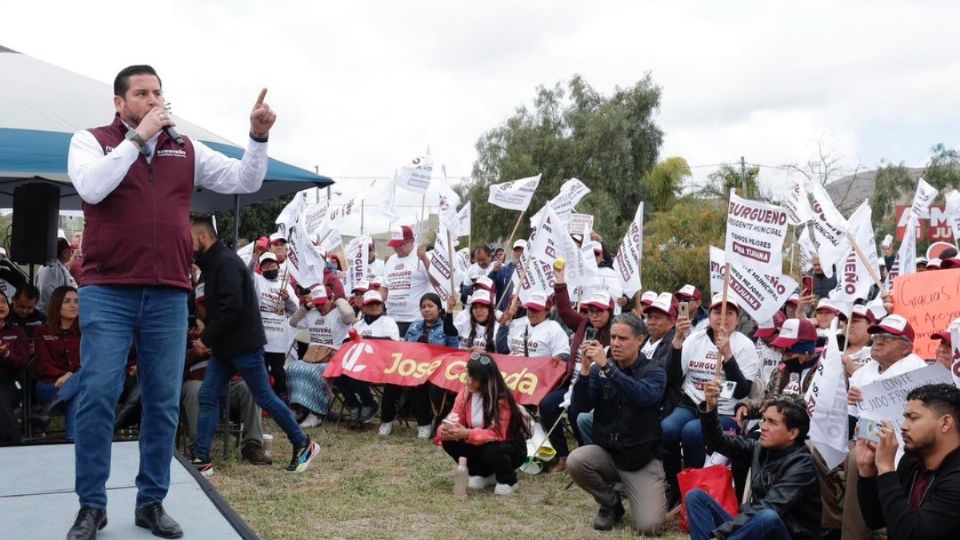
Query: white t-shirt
{"points": [[273, 313], [861, 357], [406, 281], [328, 330], [699, 359], [374, 269], [476, 271], [871, 373], [544, 339], [463, 329], [649, 348], [383, 327], [769, 360]]}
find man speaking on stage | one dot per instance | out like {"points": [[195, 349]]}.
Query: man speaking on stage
{"points": [[136, 177]]}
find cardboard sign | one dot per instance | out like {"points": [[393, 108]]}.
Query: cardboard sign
{"points": [[404, 363], [929, 301], [886, 398], [581, 224]]}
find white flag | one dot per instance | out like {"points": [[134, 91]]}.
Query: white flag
{"points": [[514, 195], [827, 405], [630, 258], [464, 217], [388, 200], [571, 193], [922, 199], [581, 224], [717, 262], [415, 175], [797, 204], [552, 241], [955, 348], [306, 264], [952, 213], [449, 201], [358, 253], [906, 261], [759, 294], [853, 276], [755, 235], [463, 261], [291, 212], [441, 267], [828, 229], [807, 248]]}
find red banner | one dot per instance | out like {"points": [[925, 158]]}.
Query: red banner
{"points": [[936, 228], [380, 361]]}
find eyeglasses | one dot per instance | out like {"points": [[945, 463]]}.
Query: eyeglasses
{"points": [[482, 358]]}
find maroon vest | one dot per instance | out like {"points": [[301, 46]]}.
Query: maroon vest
{"points": [[140, 233]]}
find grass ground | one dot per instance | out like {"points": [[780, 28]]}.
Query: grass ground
{"points": [[364, 486]]}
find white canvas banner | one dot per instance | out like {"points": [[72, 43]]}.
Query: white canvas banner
{"points": [[514, 195], [441, 267], [797, 204], [415, 175], [853, 276], [717, 261], [571, 193], [581, 224], [630, 257], [552, 241], [827, 405], [952, 212], [828, 229], [358, 253], [464, 217], [755, 235], [291, 212], [922, 199], [306, 263], [463, 261], [906, 261], [448, 202], [537, 278], [388, 201], [759, 294]]}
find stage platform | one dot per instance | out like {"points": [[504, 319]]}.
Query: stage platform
{"points": [[37, 501]]}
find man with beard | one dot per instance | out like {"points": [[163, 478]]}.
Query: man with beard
{"points": [[919, 498]]}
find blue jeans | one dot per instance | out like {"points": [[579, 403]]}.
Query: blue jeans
{"points": [[585, 427], [683, 426], [550, 412], [111, 318], [67, 393], [216, 381], [704, 515]]}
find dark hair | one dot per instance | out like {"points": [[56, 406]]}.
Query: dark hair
{"points": [[631, 320], [488, 331], [483, 369], [794, 413], [940, 398], [483, 248], [54, 304], [435, 298], [122, 81], [28, 291], [949, 253]]}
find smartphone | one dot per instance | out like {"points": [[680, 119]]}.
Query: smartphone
{"points": [[683, 310], [727, 391], [869, 430], [590, 334], [807, 287], [449, 423]]}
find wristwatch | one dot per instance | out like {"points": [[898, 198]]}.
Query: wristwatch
{"points": [[132, 135]]}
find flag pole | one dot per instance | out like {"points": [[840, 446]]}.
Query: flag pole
{"points": [[723, 310], [514, 231], [866, 262], [453, 287]]}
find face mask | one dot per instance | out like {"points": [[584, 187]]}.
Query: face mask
{"points": [[271, 274]]}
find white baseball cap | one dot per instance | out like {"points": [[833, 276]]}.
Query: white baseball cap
{"points": [[481, 296], [538, 301], [648, 298], [522, 244], [600, 300], [370, 297], [268, 256], [277, 237]]}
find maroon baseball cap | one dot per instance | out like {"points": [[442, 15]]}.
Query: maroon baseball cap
{"points": [[945, 336], [794, 331], [400, 235], [894, 325], [770, 326]]}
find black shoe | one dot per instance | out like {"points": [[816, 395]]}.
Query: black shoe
{"points": [[607, 517], [302, 456], [368, 413], [253, 453], [89, 521], [155, 518], [41, 418]]}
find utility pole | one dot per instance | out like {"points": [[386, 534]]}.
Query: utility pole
{"points": [[743, 176]]}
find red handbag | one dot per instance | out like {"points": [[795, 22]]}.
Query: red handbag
{"points": [[716, 480]]}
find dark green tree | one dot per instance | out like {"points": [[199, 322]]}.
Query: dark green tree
{"points": [[676, 244], [891, 183], [256, 220], [728, 176], [943, 169], [608, 142]]}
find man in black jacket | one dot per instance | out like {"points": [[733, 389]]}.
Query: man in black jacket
{"points": [[920, 497], [785, 491], [625, 394], [234, 334]]}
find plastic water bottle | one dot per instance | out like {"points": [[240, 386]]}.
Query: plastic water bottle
{"points": [[460, 479]]}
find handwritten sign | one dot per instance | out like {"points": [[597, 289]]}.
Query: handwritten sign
{"points": [[929, 301], [886, 398]]}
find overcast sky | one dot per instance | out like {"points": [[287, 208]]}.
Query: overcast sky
{"points": [[361, 87]]}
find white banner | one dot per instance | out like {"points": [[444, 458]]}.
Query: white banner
{"points": [[886, 399], [441, 267], [828, 229], [358, 253], [449, 201], [464, 217], [306, 264], [827, 405], [291, 212], [538, 277], [514, 195], [952, 212], [630, 258], [463, 261], [853, 277], [581, 224], [755, 235], [571, 192], [807, 249], [415, 175], [388, 200], [759, 294], [552, 241], [906, 261], [923, 198], [797, 204], [717, 261]]}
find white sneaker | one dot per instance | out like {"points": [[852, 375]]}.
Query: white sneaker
{"points": [[505, 489], [386, 428], [423, 432], [310, 421], [480, 482]]}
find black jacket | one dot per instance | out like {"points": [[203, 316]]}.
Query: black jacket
{"points": [[626, 406], [784, 481], [233, 322], [884, 501]]}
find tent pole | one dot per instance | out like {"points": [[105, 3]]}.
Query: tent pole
{"points": [[236, 220]]}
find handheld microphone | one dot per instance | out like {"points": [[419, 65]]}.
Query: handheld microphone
{"points": [[170, 130]]}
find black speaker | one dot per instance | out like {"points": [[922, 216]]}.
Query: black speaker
{"points": [[36, 210]]}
